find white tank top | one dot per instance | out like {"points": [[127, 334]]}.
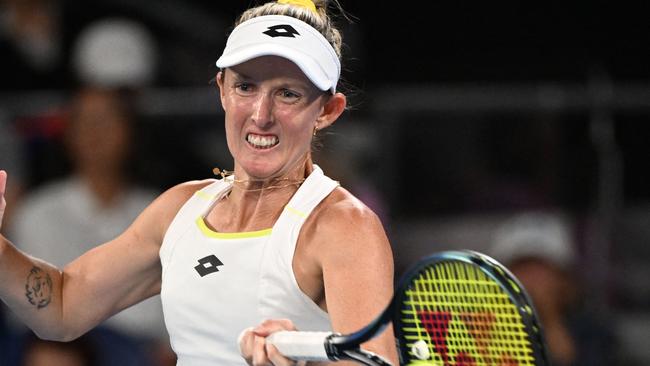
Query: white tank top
{"points": [[214, 285]]}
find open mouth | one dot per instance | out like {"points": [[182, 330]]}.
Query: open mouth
{"points": [[262, 141]]}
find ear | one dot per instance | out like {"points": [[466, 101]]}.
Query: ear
{"points": [[220, 80], [333, 108]]}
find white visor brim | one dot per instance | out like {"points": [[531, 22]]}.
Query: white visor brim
{"points": [[288, 37]]}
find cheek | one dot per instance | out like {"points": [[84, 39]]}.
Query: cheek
{"points": [[299, 131], [239, 110], [301, 123], [231, 134], [236, 114]]}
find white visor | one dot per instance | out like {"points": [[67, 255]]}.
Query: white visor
{"points": [[288, 37]]}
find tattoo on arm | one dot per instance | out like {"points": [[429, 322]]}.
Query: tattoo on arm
{"points": [[38, 288]]}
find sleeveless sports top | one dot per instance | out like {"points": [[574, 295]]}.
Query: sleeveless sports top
{"points": [[214, 284]]}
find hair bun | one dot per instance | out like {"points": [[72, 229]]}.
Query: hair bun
{"points": [[309, 4]]}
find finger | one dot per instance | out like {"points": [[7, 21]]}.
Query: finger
{"points": [[3, 182], [246, 341], [277, 358], [273, 325], [3, 186], [259, 352]]}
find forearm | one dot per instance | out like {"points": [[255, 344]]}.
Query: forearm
{"points": [[32, 290]]}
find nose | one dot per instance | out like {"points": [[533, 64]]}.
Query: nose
{"points": [[263, 113]]}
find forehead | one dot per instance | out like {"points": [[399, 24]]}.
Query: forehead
{"points": [[271, 67]]}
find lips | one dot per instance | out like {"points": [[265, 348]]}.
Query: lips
{"points": [[262, 141]]}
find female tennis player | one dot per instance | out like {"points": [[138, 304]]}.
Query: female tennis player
{"points": [[274, 245]]}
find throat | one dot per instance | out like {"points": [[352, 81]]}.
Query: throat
{"points": [[249, 210]]}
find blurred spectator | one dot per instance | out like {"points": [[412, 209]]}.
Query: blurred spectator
{"points": [[37, 352], [112, 60], [99, 347], [539, 249], [31, 45], [115, 53], [95, 203], [11, 161]]}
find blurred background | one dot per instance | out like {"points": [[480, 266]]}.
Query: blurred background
{"points": [[517, 129]]}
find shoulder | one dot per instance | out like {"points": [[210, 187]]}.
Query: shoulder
{"points": [[173, 198], [341, 209], [346, 239], [159, 214], [344, 224]]}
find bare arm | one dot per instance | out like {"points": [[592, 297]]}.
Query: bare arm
{"points": [[63, 304], [357, 264], [344, 262]]}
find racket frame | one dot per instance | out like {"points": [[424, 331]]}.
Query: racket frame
{"points": [[497, 272], [347, 347]]}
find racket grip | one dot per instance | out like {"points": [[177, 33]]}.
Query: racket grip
{"points": [[296, 345]]}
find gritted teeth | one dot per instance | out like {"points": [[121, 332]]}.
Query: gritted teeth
{"points": [[262, 142]]}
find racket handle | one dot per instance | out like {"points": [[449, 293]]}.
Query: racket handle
{"points": [[309, 346]]}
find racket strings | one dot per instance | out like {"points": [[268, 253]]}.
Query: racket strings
{"points": [[465, 318]]}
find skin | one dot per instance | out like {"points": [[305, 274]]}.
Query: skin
{"points": [[343, 239]]}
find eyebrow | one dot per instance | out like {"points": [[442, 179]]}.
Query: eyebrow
{"points": [[305, 86]]}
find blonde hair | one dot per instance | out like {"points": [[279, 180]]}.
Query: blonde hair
{"points": [[319, 20]]}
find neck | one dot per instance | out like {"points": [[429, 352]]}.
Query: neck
{"points": [[256, 204], [269, 190], [294, 176]]}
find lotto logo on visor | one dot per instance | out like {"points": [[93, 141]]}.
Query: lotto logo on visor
{"points": [[288, 37], [282, 30]]}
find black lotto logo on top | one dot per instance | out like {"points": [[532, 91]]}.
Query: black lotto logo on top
{"points": [[281, 30], [208, 265]]}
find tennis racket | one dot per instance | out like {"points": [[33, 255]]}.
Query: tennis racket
{"points": [[453, 308]]}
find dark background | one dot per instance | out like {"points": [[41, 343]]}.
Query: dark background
{"points": [[429, 41], [588, 49], [463, 112]]}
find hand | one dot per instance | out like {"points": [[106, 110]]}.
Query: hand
{"points": [[253, 347], [3, 202]]}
